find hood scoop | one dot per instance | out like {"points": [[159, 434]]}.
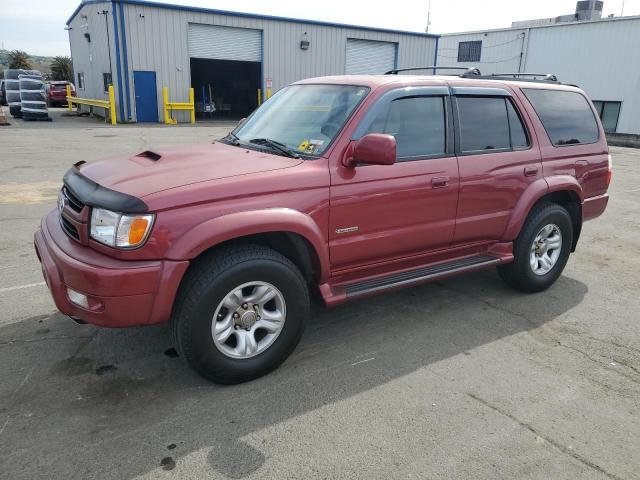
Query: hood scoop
{"points": [[150, 155]]}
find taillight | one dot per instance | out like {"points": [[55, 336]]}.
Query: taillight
{"points": [[609, 170]]}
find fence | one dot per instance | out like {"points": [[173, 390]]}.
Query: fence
{"points": [[108, 105], [169, 106]]}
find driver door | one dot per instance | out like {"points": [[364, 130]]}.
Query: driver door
{"points": [[384, 212]]}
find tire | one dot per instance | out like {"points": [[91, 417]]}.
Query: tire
{"points": [[210, 282], [521, 273]]}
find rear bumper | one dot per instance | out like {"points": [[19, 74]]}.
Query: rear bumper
{"points": [[120, 293], [594, 206]]}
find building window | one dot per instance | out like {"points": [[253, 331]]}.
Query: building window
{"points": [[81, 81], [106, 80], [609, 113], [469, 51]]}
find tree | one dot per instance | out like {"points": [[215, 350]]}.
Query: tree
{"points": [[19, 59], [62, 69]]}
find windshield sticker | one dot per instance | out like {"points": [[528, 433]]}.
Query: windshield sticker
{"points": [[317, 143], [304, 145]]}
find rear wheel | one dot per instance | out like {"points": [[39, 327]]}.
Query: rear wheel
{"points": [[240, 313], [541, 250]]}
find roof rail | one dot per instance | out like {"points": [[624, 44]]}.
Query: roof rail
{"points": [[468, 71], [537, 77]]}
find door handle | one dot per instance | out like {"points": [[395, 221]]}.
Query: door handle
{"points": [[439, 182], [530, 171]]}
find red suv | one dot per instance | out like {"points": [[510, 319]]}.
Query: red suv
{"points": [[57, 93], [344, 186]]}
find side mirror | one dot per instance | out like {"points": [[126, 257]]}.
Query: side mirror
{"points": [[241, 121], [373, 149]]}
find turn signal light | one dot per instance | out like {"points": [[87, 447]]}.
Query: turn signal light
{"points": [[138, 230]]}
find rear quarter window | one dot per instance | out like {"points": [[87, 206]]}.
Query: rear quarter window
{"points": [[566, 116]]}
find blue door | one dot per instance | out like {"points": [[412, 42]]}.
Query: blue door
{"points": [[144, 85]]}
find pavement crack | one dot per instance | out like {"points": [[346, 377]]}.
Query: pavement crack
{"points": [[559, 446], [599, 362]]}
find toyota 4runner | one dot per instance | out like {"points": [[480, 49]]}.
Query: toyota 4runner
{"points": [[346, 187]]}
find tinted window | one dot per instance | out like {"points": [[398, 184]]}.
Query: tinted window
{"points": [[483, 123], [609, 113], [106, 80], [518, 133], [417, 123], [566, 116]]}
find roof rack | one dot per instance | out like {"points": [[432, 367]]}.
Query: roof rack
{"points": [[536, 77], [468, 71]]}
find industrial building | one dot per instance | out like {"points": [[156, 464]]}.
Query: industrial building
{"points": [[230, 59], [600, 56], [235, 60]]}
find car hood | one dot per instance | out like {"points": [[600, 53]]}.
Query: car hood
{"points": [[155, 170]]}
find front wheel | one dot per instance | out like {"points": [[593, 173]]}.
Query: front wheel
{"points": [[541, 250], [240, 313]]}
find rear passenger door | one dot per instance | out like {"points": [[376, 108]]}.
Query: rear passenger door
{"points": [[496, 158]]}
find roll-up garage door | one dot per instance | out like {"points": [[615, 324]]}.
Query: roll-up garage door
{"points": [[225, 43], [370, 57]]}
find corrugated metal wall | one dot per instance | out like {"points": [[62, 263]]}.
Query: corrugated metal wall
{"points": [[92, 58], [500, 50], [157, 40], [600, 57]]}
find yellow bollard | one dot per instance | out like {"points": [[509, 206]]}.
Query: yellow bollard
{"points": [[268, 93], [165, 101], [193, 105], [259, 97], [112, 104], [69, 104]]}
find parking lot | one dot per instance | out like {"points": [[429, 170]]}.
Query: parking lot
{"points": [[457, 379]]}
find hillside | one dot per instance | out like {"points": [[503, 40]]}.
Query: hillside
{"points": [[37, 62]]}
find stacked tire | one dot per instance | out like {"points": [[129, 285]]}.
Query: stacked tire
{"points": [[12, 87], [33, 97]]}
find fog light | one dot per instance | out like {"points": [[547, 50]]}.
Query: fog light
{"points": [[78, 298]]}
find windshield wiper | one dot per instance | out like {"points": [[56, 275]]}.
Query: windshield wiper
{"points": [[280, 147], [233, 138]]}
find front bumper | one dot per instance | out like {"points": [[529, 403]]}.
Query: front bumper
{"points": [[121, 293]]}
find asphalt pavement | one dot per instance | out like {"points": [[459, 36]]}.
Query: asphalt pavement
{"points": [[458, 379]]}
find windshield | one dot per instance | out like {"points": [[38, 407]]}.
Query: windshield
{"points": [[304, 118]]}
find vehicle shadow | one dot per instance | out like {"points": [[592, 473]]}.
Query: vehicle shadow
{"points": [[91, 394]]}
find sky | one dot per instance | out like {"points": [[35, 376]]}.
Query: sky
{"points": [[37, 26]]}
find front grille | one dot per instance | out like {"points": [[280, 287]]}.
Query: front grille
{"points": [[69, 229], [74, 203]]}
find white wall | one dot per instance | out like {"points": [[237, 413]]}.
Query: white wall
{"points": [[600, 57], [92, 58]]}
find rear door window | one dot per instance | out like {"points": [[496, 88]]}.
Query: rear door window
{"points": [[519, 137], [566, 116], [484, 124], [418, 125]]}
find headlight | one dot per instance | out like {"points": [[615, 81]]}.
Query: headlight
{"points": [[119, 230]]}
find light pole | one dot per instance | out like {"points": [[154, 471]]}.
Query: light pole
{"points": [[106, 23]]}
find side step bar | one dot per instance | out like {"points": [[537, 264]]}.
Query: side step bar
{"points": [[420, 275]]}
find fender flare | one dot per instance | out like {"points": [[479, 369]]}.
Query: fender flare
{"points": [[532, 194], [214, 231]]}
